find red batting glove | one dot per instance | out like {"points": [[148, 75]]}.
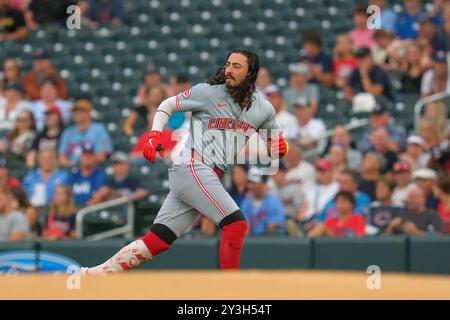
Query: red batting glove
{"points": [[153, 145], [279, 146]]}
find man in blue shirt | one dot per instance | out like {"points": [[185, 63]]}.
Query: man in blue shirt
{"points": [[84, 131], [263, 210], [319, 62], [40, 184], [407, 23], [388, 17], [88, 178], [348, 181]]}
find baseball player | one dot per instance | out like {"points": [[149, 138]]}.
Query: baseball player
{"points": [[225, 109]]}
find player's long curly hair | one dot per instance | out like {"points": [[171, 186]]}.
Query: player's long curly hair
{"points": [[243, 93]]}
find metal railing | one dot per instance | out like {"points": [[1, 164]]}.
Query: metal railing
{"points": [[422, 102], [127, 230]]}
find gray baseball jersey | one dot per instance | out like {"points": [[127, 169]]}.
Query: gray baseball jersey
{"points": [[219, 130], [219, 126]]}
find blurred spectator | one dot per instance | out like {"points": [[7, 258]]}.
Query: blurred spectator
{"points": [[43, 69], [41, 12], [290, 194], [263, 210], [384, 209], [438, 113], [284, 117], [362, 36], [264, 81], [436, 79], [48, 138], [22, 204], [121, 184], [308, 131], [139, 115], [300, 171], [429, 37], [346, 223], [348, 181], [178, 83], [11, 105], [12, 22], [407, 23], [381, 143], [417, 220], [373, 164], [152, 78], [344, 60], [6, 181], [382, 49], [49, 100], [402, 177], [368, 77], [11, 72], [13, 224], [338, 158], [300, 88], [426, 179], [436, 146], [238, 189], [445, 28], [61, 219], [342, 137], [102, 12], [83, 131], [88, 178], [320, 63], [412, 70], [21, 137], [443, 193], [381, 118], [40, 184], [388, 17], [322, 192], [414, 153]]}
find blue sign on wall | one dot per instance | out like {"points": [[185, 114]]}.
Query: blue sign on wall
{"points": [[31, 261]]}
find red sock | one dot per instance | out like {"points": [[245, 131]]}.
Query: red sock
{"points": [[231, 244], [154, 243]]}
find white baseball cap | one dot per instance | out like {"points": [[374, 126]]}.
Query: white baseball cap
{"points": [[255, 175], [425, 173], [415, 139]]}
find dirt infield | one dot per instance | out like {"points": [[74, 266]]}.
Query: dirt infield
{"points": [[274, 285]]}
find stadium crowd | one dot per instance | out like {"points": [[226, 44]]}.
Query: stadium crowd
{"points": [[390, 181]]}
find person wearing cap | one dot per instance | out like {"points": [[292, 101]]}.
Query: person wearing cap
{"points": [[308, 131], [84, 130], [428, 34], [121, 183], [415, 152], [300, 88], [362, 36], [373, 165], [381, 118], [319, 62], [11, 105], [152, 77], [284, 117], [88, 177], [407, 22], [12, 23], [436, 79], [426, 180], [418, 220], [43, 69], [403, 184], [368, 77], [48, 138], [299, 170], [40, 183], [321, 192], [262, 209], [49, 99]]}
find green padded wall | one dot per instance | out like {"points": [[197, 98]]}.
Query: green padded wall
{"points": [[390, 254], [276, 253], [429, 255]]}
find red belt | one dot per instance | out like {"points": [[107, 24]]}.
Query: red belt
{"points": [[197, 156]]}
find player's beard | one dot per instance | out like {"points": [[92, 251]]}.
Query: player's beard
{"points": [[239, 92]]}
